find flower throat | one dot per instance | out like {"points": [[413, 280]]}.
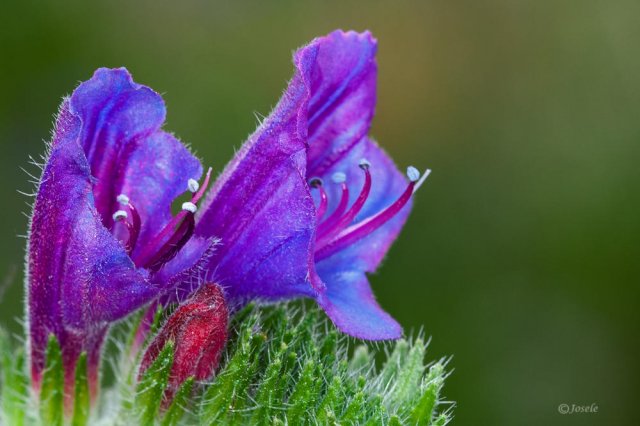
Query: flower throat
{"points": [[168, 242]]}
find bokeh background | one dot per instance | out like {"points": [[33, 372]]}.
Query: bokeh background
{"points": [[521, 256]]}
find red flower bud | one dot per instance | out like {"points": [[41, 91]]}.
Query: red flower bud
{"points": [[198, 329]]}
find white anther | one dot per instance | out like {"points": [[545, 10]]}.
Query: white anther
{"points": [[413, 174], [422, 179], [193, 185], [364, 163], [119, 215], [338, 177], [190, 207], [123, 199]]}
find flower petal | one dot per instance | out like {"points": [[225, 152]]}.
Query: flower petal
{"points": [[127, 151], [343, 96], [260, 207], [350, 304], [79, 276]]}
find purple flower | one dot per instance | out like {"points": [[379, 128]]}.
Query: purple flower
{"points": [[95, 255], [310, 204], [103, 241]]}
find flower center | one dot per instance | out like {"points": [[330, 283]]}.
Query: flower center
{"points": [[336, 232], [167, 243]]}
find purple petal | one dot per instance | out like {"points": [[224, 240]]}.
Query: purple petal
{"points": [[343, 88], [187, 270], [352, 307], [79, 276], [260, 207], [127, 151]]}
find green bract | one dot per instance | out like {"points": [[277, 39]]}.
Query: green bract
{"points": [[283, 365]]}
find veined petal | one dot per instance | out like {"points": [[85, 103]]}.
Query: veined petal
{"points": [[261, 208], [127, 151], [79, 276], [343, 97], [350, 304]]}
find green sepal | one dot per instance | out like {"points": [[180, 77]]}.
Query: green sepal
{"points": [[14, 383], [304, 396], [408, 377], [151, 387], [82, 399], [52, 390], [424, 408], [179, 404]]}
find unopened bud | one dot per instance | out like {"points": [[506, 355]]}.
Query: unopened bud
{"points": [[198, 330]]}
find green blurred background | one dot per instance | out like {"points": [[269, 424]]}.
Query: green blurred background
{"points": [[521, 256]]}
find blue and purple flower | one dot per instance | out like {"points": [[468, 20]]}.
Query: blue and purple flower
{"points": [[306, 208]]}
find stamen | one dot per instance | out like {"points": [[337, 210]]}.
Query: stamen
{"points": [[347, 218], [193, 185], [134, 226], [422, 179], [190, 207], [123, 199], [175, 234], [173, 246], [119, 215], [340, 209], [339, 177], [324, 200], [198, 195], [360, 230], [413, 174]]}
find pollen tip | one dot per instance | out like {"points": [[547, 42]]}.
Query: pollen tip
{"points": [[413, 174], [193, 185], [315, 182], [338, 177], [422, 179], [364, 164], [123, 199], [189, 206], [119, 215]]}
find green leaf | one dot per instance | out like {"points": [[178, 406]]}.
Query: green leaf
{"points": [[82, 399], [151, 387]]}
